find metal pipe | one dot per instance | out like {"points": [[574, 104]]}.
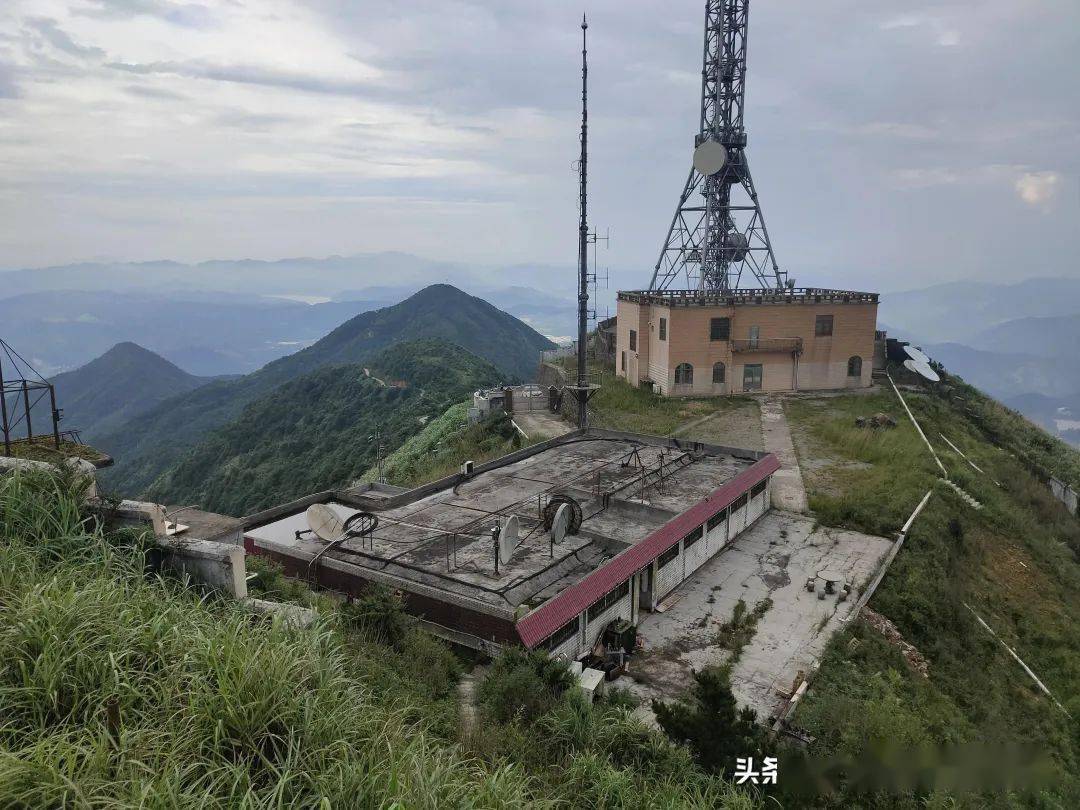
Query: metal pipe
{"points": [[4, 413], [26, 403], [55, 417]]}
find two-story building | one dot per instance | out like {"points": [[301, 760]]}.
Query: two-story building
{"points": [[706, 342]]}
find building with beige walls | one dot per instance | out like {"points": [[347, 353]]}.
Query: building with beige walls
{"points": [[712, 342]]}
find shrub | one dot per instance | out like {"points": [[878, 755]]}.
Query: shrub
{"points": [[522, 685]]}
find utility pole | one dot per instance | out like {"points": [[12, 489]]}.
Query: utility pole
{"points": [[583, 235], [377, 438]]}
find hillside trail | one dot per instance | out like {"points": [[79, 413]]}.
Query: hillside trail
{"points": [[789, 491]]}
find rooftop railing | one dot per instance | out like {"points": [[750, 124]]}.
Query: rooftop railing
{"points": [[792, 295]]}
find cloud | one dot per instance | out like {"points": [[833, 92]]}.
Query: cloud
{"points": [[192, 15], [8, 88], [251, 74], [1038, 189], [942, 33], [61, 40]]}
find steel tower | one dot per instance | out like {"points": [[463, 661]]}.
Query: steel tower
{"points": [[718, 232]]}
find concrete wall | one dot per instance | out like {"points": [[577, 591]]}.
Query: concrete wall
{"points": [[822, 365], [219, 565], [1064, 493]]}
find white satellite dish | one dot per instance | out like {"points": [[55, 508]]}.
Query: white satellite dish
{"points": [[561, 523], [709, 157], [917, 355], [508, 539], [324, 522], [922, 369]]}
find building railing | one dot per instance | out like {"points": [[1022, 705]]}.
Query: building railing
{"points": [[786, 345], [792, 295]]}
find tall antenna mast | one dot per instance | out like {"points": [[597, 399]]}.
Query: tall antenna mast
{"points": [[583, 234], [714, 240]]}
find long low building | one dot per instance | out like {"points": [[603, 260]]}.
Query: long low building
{"points": [[716, 342], [645, 512]]}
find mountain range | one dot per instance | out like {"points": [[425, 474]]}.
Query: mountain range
{"points": [[148, 445], [317, 431]]}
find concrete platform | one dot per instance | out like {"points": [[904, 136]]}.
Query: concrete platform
{"points": [[771, 560]]}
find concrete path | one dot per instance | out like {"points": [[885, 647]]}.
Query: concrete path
{"points": [[541, 424], [789, 492]]}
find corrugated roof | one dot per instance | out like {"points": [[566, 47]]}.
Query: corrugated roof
{"points": [[556, 612]]}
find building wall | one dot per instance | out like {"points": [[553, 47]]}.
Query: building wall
{"points": [[822, 365], [671, 576]]}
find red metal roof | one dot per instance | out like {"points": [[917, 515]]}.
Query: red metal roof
{"points": [[557, 611]]}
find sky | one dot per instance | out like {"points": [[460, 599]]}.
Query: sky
{"points": [[893, 144]]}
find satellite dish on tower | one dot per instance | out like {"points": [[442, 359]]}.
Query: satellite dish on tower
{"points": [[561, 523], [509, 539], [709, 157], [922, 369], [324, 522], [916, 355]]}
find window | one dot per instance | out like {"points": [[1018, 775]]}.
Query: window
{"points": [[757, 489], [823, 326], [684, 374], [719, 373], [854, 367], [755, 335], [610, 599], [692, 538], [717, 519], [633, 340], [668, 556], [663, 328], [563, 634], [622, 361], [720, 329], [751, 379], [740, 502]]}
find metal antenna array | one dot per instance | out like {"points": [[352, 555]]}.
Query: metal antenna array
{"points": [[715, 238], [583, 391]]}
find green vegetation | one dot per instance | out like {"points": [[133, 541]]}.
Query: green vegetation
{"points": [[737, 632], [43, 448], [315, 432], [122, 690], [710, 723], [1015, 562], [620, 406], [148, 445], [439, 449]]}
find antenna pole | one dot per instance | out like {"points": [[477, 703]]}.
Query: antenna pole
{"points": [[583, 235], [3, 411]]}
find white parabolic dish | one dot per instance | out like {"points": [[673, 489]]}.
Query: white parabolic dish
{"points": [[560, 524], [324, 522], [508, 539], [709, 157], [917, 355], [922, 369]]}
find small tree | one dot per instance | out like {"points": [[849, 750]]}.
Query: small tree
{"points": [[710, 723]]}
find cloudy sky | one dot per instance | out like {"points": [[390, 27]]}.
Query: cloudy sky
{"points": [[894, 144]]}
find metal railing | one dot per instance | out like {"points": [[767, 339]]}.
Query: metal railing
{"points": [[785, 345], [813, 295]]}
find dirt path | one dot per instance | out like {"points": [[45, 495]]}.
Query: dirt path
{"points": [[789, 492]]}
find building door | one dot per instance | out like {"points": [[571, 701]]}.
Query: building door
{"points": [[752, 377]]}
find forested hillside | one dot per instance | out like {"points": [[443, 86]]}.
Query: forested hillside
{"points": [[316, 432], [125, 382], [150, 444]]}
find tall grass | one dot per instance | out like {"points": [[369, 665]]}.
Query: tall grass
{"points": [[119, 691]]}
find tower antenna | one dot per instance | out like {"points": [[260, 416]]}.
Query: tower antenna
{"points": [[715, 239], [583, 391]]}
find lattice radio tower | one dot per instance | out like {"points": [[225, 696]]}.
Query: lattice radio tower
{"points": [[718, 233]]}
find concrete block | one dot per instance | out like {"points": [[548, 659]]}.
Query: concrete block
{"points": [[219, 565], [293, 616]]}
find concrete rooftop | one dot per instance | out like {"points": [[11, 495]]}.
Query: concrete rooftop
{"points": [[440, 536]]}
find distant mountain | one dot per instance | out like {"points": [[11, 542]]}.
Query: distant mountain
{"points": [[315, 432], [1057, 415], [1042, 337], [958, 311], [151, 443], [123, 383], [1007, 375], [204, 334]]}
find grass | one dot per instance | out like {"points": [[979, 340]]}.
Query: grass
{"points": [[42, 448], [119, 689], [1015, 562], [620, 406]]}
